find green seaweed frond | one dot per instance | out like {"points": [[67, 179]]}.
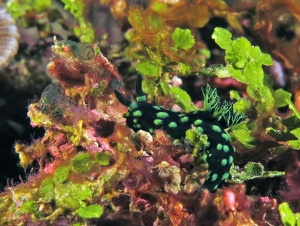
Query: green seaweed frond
{"points": [[244, 63], [91, 211], [287, 216], [183, 38], [85, 30], [252, 170], [18, 9]]}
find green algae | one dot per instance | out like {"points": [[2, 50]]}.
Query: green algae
{"points": [[91, 211], [69, 195], [61, 174], [82, 163], [102, 158]]}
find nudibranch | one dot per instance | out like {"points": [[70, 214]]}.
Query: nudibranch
{"points": [[212, 120]]}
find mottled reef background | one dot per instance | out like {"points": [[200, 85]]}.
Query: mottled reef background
{"points": [[81, 164]]}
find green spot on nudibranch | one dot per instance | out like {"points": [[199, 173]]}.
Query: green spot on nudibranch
{"points": [[137, 113], [225, 148], [181, 115], [208, 175], [141, 99], [225, 136], [224, 162], [214, 177], [172, 124], [184, 119], [127, 114], [230, 160], [151, 130], [216, 128], [157, 122], [156, 107], [198, 122], [219, 147], [162, 114], [234, 149], [132, 106], [205, 157], [225, 176], [135, 120], [200, 129], [215, 187]]}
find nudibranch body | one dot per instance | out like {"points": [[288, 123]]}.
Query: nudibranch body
{"points": [[212, 120]]}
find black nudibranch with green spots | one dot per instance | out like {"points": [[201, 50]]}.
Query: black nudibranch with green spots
{"points": [[212, 120]]}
